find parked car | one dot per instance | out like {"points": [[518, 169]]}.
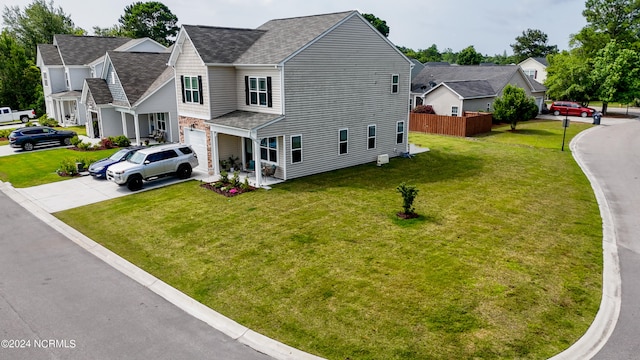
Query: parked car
{"points": [[153, 162], [8, 115], [99, 168], [570, 108], [29, 137]]}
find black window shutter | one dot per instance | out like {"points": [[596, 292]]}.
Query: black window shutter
{"points": [[246, 89], [200, 89], [269, 97], [182, 86]]}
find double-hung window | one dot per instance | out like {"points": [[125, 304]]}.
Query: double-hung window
{"points": [[162, 121], [343, 141], [399, 132], [296, 148], [45, 79], [371, 137], [269, 149], [454, 111], [191, 89], [395, 83], [258, 91]]}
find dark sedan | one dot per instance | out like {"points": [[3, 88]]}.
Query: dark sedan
{"points": [[99, 168], [29, 137]]}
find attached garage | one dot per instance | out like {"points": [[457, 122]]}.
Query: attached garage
{"points": [[198, 141]]}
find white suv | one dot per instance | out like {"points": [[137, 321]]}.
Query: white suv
{"points": [[153, 162]]}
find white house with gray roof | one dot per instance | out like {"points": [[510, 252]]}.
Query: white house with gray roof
{"points": [[302, 95], [70, 60], [452, 90], [535, 68], [134, 96]]}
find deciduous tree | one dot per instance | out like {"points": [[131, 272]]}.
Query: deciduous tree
{"points": [[20, 86], [616, 74], [514, 105], [150, 19], [532, 43], [469, 56], [378, 23]]}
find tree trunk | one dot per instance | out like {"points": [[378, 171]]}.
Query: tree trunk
{"points": [[604, 108]]}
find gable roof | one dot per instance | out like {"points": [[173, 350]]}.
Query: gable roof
{"points": [[137, 71], [496, 76], [470, 89], [99, 91], [82, 50], [49, 55], [219, 45], [541, 60]]}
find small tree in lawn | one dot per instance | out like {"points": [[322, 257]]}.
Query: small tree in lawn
{"points": [[514, 105], [409, 193]]}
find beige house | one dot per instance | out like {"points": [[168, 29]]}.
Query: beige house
{"points": [[451, 90], [535, 68], [298, 96]]}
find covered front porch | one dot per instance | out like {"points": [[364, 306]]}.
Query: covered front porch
{"points": [[139, 127], [236, 146], [65, 108]]}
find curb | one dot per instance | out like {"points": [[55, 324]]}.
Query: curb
{"points": [[192, 307], [605, 321]]}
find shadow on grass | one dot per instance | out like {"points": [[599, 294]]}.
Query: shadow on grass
{"points": [[407, 223]]}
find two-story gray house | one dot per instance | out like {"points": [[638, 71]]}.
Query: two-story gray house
{"points": [[302, 95]]}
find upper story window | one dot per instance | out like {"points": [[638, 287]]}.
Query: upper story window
{"points": [[66, 80], [191, 89], [45, 78], [258, 91], [532, 73], [113, 77], [395, 83]]}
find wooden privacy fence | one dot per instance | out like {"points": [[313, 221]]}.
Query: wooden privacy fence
{"points": [[470, 123]]}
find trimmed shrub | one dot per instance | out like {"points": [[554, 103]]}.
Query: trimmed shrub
{"points": [[44, 120], [120, 140], [75, 141], [107, 143], [424, 109]]}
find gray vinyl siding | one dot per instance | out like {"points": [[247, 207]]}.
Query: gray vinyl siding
{"points": [[163, 101], [343, 80], [56, 80], [442, 99], [222, 93], [111, 122], [77, 76], [190, 64], [275, 89], [478, 104]]}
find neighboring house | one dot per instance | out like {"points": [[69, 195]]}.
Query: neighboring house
{"points": [[452, 90], [71, 59], [535, 68], [134, 96], [300, 96]]}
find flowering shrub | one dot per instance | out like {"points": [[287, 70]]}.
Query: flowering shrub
{"points": [[229, 187]]}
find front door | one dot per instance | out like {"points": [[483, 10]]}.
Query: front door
{"points": [[248, 154]]}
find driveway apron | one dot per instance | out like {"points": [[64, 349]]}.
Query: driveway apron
{"points": [[612, 154]]}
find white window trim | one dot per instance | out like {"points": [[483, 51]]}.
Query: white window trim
{"points": [[268, 148], [257, 91], [113, 77], [67, 80], [456, 112], [45, 78], [396, 84], [374, 137], [300, 149], [346, 141], [190, 89], [398, 132]]}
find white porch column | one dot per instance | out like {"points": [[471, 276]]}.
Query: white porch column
{"points": [[214, 152], [58, 104], [256, 160], [123, 116], [136, 126]]}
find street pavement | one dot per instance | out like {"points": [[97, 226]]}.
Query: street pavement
{"points": [[612, 155], [58, 301]]}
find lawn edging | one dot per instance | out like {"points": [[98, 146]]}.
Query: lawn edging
{"points": [[189, 305], [605, 321]]}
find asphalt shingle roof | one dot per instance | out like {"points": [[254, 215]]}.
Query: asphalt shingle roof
{"points": [[541, 60], [82, 50], [50, 55], [472, 88], [270, 43], [496, 76], [99, 91], [247, 120], [137, 71]]}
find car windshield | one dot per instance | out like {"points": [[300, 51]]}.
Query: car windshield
{"points": [[137, 158], [119, 155]]}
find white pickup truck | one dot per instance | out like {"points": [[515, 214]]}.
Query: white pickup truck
{"points": [[8, 115]]}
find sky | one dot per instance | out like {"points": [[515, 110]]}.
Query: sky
{"points": [[491, 26]]}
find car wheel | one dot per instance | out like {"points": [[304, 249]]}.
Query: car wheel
{"points": [[134, 183], [28, 146], [556, 113], [66, 141], [583, 114], [184, 171], [24, 119]]}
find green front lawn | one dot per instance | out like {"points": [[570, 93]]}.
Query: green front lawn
{"points": [[505, 260], [39, 167]]}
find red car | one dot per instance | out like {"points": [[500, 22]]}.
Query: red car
{"points": [[570, 108]]}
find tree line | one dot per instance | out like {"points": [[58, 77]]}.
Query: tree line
{"points": [[38, 22]]}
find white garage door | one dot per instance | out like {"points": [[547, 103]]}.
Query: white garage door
{"points": [[198, 141]]}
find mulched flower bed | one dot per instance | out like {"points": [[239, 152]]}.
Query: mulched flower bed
{"points": [[226, 189]]}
